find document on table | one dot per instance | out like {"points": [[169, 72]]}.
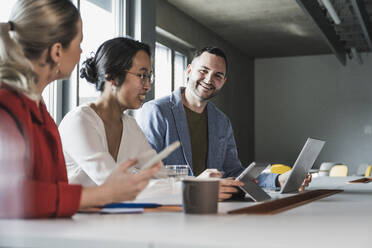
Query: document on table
{"points": [[161, 191]]}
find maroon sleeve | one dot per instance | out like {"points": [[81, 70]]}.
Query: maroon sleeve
{"points": [[24, 197], [68, 199]]}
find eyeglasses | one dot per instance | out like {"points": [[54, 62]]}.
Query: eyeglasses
{"points": [[143, 76]]}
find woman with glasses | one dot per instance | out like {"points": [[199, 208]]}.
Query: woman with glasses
{"points": [[40, 44], [98, 136]]}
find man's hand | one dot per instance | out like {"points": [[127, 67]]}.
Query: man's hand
{"points": [[210, 173], [284, 177], [228, 187], [305, 183]]}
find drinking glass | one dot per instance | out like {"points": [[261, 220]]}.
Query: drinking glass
{"points": [[177, 172]]}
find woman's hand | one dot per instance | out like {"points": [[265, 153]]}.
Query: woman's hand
{"points": [[119, 186], [123, 186]]}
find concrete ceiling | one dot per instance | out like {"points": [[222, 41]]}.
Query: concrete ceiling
{"points": [[261, 28]]}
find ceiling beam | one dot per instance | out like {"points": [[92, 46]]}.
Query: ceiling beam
{"points": [[361, 13], [313, 10]]}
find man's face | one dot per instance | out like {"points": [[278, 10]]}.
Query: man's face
{"points": [[207, 75]]}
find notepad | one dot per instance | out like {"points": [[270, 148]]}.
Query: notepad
{"points": [[96, 210], [121, 210], [132, 207]]}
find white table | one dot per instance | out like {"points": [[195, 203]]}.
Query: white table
{"points": [[341, 220]]}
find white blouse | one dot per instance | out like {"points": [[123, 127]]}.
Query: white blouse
{"points": [[85, 147]]}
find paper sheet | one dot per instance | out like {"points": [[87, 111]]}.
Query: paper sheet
{"points": [[162, 191]]}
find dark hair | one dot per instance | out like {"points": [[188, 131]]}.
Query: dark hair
{"points": [[111, 61], [212, 50]]}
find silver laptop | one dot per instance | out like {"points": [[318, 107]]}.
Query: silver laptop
{"points": [[303, 164], [250, 187]]}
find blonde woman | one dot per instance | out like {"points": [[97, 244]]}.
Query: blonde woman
{"points": [[40, 44]]}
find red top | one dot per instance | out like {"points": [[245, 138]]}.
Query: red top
{"points": [[33, 177]]}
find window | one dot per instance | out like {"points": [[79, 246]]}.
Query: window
{"points": [[170, 68], [180, 63], [50, 99], [163, 70], [6, 7], [101, 22]]}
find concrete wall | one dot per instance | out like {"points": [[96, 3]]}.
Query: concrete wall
{"points": [[141, 24], [236, 98], [313, 96]]}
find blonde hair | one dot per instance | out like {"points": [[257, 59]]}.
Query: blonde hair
{"points": [[34, 25]]}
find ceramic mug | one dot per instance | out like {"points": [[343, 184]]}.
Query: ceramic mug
{"points": [[200, 196]]}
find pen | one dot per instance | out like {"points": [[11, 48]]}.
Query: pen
{"points": [[132, 205]]}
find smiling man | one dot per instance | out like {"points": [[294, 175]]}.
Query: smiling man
{"points": [[204, 131]]}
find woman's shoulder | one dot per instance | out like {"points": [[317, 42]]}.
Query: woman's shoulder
{"points": [[15, 105], [10, 97], [83, 111], [130, 121], [13, 101], [82, 114]]}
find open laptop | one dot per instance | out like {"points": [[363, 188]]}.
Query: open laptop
{"points": [[303, 164], [301, 167]]}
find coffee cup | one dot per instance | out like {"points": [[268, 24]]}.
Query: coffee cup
{"points": [[200, 196]]}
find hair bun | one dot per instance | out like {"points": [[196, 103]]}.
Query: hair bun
{"points": [[89, 71]]}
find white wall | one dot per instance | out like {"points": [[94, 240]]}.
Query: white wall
{"points": [[313, 96]]}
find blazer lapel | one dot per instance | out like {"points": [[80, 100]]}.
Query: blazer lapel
{"points": [[181, 124]]}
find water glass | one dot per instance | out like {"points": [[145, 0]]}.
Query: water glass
{"points": [[177, 172]]}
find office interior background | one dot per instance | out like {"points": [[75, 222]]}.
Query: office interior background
{"points": [[288, 78]]}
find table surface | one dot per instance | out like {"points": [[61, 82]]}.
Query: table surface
{"points": [[342, 219]]}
